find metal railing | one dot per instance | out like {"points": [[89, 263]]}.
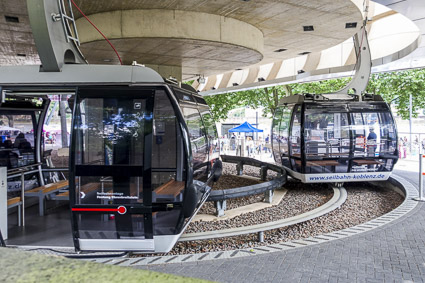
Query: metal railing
{"points": [[22, 172]]}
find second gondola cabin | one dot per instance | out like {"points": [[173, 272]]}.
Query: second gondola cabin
{"points": [[323, 140]]}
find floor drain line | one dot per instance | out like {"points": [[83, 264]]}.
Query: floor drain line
{"points": [[137, 261], [273, 247], [120, 261], [203, 256], [170, 259], [154, 260], [261, 249]]}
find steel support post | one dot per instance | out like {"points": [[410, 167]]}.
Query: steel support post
{"points": [[421, 175]]}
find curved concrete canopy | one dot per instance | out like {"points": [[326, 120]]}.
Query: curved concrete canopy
{"points": [[172, 38], [229, 27], [391, 36], [279, 23]]}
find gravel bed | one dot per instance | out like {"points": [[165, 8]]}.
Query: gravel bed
{"points": [[299, 199], [363, 203]]}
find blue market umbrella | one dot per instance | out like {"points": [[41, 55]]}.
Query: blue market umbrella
{"points": [[245, 128]]}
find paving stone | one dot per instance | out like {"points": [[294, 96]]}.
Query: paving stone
{"points": [[391, 253]]}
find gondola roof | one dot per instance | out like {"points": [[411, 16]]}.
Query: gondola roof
{"points": [[77, 74]]}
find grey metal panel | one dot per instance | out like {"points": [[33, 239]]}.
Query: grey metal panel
{"points": [[291, 99], [76, 74], [49, 35]]}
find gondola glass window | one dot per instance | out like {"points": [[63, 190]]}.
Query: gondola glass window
{"points": [[338, 137], [281, 125], [17, 138], [165, 133], [198, 141], [295, 138], [113, 156], [209, 125], [110, 132]]}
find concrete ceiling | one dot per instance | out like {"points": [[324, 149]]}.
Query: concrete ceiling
{"points": [[415, 11], [279, 22], [17, 45], [391, 36]]}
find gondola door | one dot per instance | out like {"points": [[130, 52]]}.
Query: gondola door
{"points": [[110, 188]]}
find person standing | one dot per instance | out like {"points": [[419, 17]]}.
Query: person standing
{"points": [[267, 140], [371, 142], [233, 142]]}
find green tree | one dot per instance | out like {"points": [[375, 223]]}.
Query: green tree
{"points": [[393, 87], [398, 86], [266, 97]]}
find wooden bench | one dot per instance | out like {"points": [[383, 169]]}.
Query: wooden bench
{"points": [[13, 202], [168, 191], [367, 162], [46, 191]]}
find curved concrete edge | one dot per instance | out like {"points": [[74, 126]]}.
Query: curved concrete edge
{"points": [[162, 23], [232, 213], [319, 74], [338, 198]]}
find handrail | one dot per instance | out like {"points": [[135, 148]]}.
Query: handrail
{"points": [[19, 169]]}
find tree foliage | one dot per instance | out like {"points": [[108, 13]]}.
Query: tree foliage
{"points": [[397, 87], [394, 87]]}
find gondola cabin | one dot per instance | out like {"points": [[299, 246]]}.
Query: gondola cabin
{"points": [[320, 140], [142, 153]]}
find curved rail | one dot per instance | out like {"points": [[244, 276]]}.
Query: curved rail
{"points": [[220, 196], [240, 161], [339, 197]]}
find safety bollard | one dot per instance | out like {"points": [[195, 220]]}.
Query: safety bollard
{"points": [[421, 174]]}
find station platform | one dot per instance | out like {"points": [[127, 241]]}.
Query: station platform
{"points": [[394, 252]]}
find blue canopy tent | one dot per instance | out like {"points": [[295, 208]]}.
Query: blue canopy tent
{"points": [[245, 128]]}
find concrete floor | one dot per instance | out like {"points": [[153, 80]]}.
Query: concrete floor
{"points": [[53, 229]]}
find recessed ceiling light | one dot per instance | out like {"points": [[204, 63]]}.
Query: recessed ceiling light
{"points": [[21, 55], [107, 60], [280, 50], [304, 53], [308, 28], [11, 19], [351, 25]]}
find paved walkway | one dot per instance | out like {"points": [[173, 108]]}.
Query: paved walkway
{"points": [[393, 253]]}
